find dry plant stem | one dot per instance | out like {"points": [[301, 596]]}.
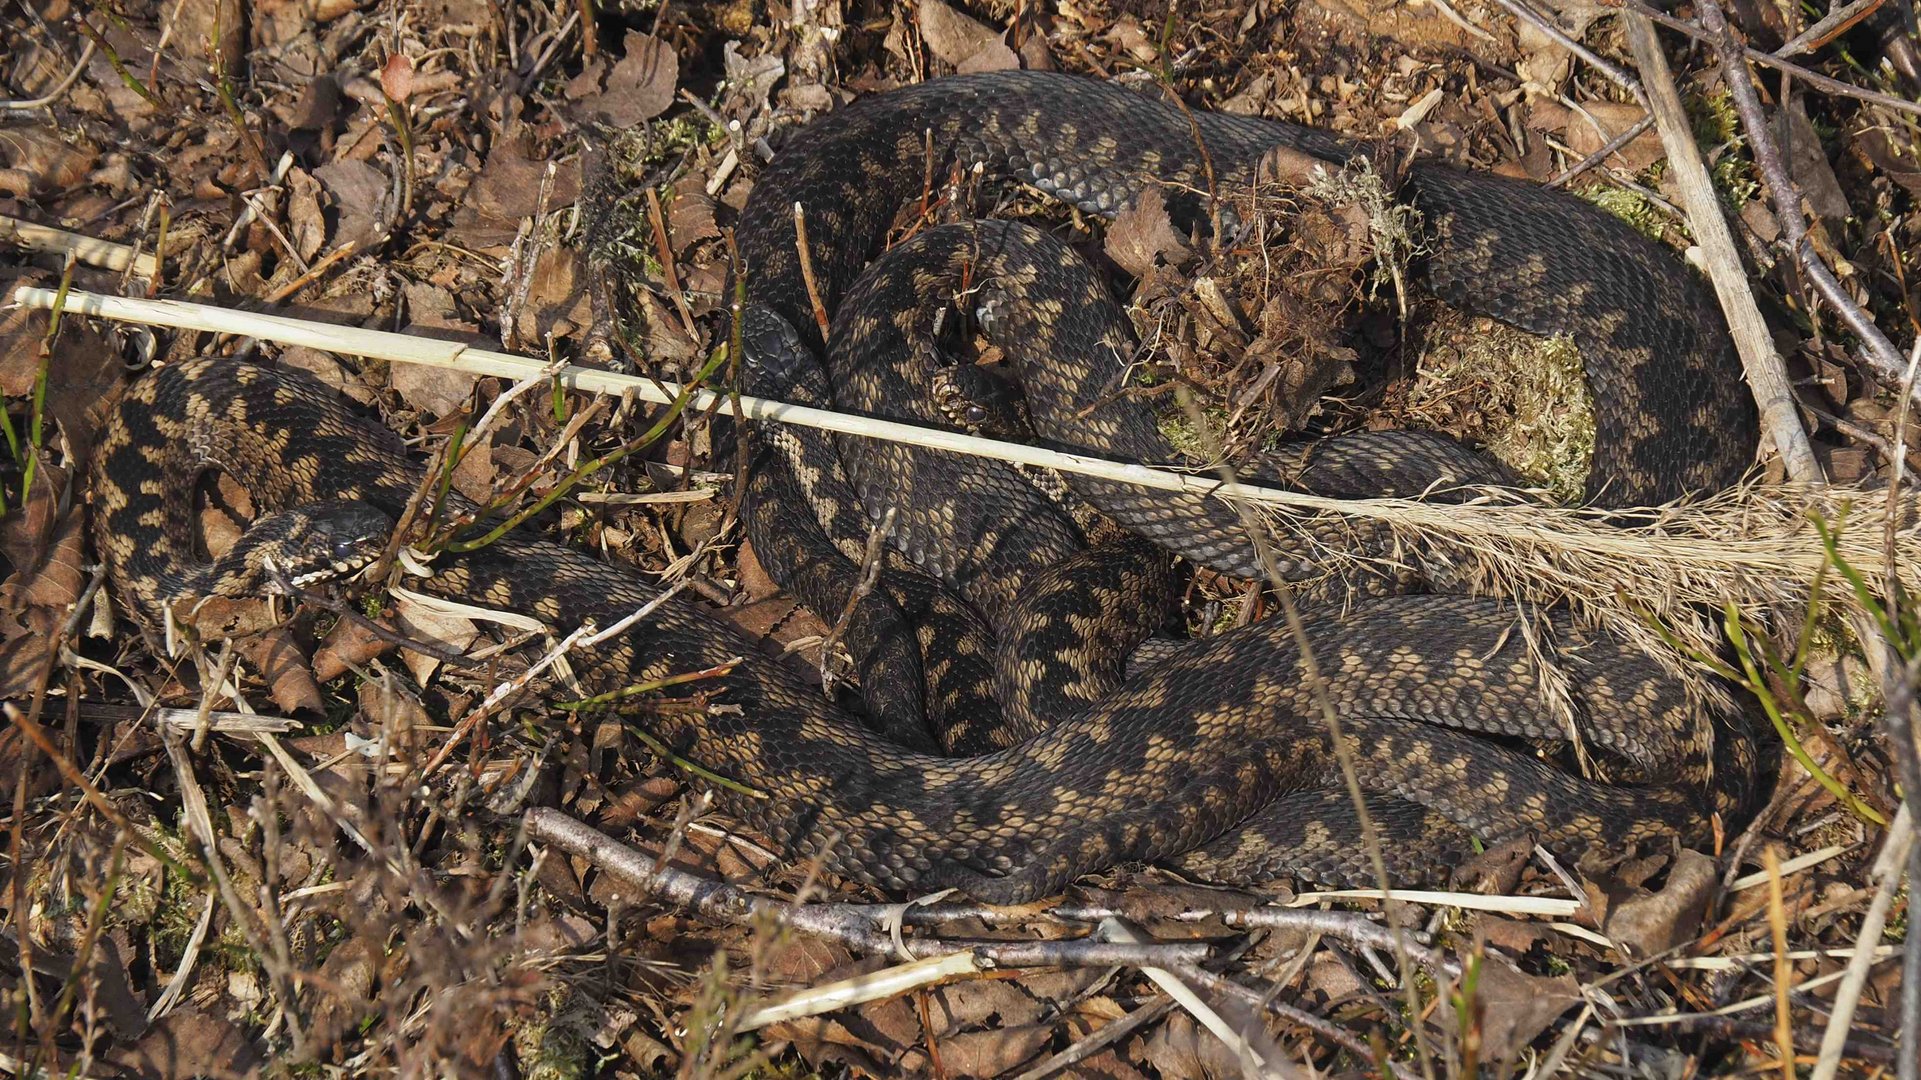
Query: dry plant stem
{"points": [[1832, 25], [1753, 545], [102, 253], [1370, 836], [807, 269], [1898, 688], [1812, 78], [584, 636], [1877, 349], [1102, 1037], [1767, 376], [1886, 876], [1546, 26], [1348, 927], [53, 95], [1783, 967], [1227, 988], [1606, 151], [870, 563], [1249, 1043], [857, 926]]}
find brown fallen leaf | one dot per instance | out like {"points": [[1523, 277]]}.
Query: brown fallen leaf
{"points": [[281, 661], [1807, 161], [637, 87], [1143, 237], [343, 995], [982, 1054], [1613, 117], [450, 633], [394, 712], [508, 191], [40, 160], [1180, 1049], [349, 643], [434, 390], [982, 1002], [1646, 923], [189, 1043], [690, 217], [362, 195], [954, 37], [1516, 1008], [558, 296], [305, 220]]}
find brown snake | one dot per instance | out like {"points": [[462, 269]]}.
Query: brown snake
{"points": [[1218, 755]]}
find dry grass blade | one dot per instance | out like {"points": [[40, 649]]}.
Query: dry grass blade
{"points": [[1755, 546]]}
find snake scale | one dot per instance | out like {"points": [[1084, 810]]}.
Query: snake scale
{"points": [[1216, 758]]}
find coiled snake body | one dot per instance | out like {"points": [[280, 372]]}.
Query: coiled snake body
{"points": [[1219, 755]]}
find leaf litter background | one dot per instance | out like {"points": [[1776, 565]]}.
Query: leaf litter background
{"points": [[488, 172]]}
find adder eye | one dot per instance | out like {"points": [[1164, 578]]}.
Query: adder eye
{"points": [[976, 414]]}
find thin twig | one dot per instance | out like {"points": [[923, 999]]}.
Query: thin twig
{"points": [[807, 268], [856, 926], [870, 565], [1832, 25], [1546, 26], [53, 95], [1886, 876], [1767, 375], [1812, 78], [1606, 151], [1878, 350]]}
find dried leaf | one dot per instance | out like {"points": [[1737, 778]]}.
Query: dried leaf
{"points": [[557, 296], [506, 192], [434, 390], [348, 644], [1647, 923], [1143, 236], [190, 1043], [1515, 1008], [1181, 1049], [950, 35], [393, 710], [690, 218], [1613, 117], [280, 660], [980, 1002], [304, 217], [1807, 162], [361, 195], [982, 1053], [452, 633], [639, 87], [39, 160]]}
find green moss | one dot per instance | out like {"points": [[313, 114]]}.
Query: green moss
{"points": [[1630, 206], [1717, 129], [1191, 442], [1531, 404]]}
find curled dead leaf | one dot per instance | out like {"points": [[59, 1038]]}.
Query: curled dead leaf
{"points": [[637, 87], [1143, 236], [39, 160], [1645, 923]]}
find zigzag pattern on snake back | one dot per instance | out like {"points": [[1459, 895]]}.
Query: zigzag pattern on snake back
{"points": [[1219, 752]]}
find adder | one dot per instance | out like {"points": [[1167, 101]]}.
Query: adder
{"points": [[1218, 757]]}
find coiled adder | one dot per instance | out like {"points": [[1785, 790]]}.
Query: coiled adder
{"points": [[1219, 757]]}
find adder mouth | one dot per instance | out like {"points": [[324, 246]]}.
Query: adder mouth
{"points": [[338, 568], [331, 541]]}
